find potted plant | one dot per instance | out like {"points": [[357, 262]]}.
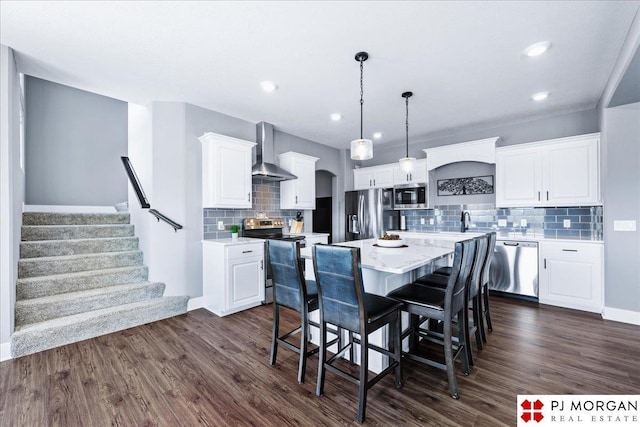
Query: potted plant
{"points": [[234, 231]]}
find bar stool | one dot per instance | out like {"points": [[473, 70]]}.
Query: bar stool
{"points": [[443, 305], [486, 279], [345, 304], [291, 290]]}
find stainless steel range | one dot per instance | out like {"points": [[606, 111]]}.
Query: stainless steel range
{"points": [[268, 228]]}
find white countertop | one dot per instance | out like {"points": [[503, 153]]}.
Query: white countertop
{"points": [[232, 242], [419, 252], [311, 234], [448, 235]]}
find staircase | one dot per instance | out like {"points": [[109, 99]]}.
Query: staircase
{"points": [[81, 276]]}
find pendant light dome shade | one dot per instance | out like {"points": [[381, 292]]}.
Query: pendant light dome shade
{"points": [[361, 149], [407, 164]]}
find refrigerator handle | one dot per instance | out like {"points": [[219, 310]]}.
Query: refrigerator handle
{"points": [[360, 212]]}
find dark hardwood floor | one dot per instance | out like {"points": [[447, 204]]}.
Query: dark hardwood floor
{"points": [[199, 369]]}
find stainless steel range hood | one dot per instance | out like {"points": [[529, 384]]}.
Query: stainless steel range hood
{"points": [[264, 167]]}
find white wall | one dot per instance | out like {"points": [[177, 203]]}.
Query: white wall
{"points": [[11, 191]]}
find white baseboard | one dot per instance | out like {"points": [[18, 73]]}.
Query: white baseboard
{"points": [[5, 351], [196, 303], [69, 209], [620, 315]]}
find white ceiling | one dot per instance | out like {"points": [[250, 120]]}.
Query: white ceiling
{"points": [[462, 60]]}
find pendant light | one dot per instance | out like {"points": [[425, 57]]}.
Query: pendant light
{"points": [[407, 163], [361, 149]]}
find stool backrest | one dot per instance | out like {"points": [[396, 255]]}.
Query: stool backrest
{"points": [[289, 288], [340, 289], [484, 276], [478, 263], [456, 292]]}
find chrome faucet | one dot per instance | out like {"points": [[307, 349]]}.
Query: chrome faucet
{"points": [[465, 221]]}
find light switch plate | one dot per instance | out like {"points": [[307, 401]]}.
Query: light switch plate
{"points": [[566, 223], [422, 221], [523, 222], [502, 223], [431, 221], [220, 225], [624, 225]]}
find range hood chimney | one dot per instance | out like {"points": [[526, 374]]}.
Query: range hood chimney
{"points": [[264, 167]]}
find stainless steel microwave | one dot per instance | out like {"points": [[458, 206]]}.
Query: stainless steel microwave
{"points": [[411, 196]]}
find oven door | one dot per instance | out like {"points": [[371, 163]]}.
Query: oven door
{"points": [[410, 196]]}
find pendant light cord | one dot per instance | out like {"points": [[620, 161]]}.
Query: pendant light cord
{"points": [[361, 95], [407, 125]]}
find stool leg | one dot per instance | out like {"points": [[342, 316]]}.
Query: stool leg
{"points": [[464, 355], [477, 320], [487, 313], [274, 335], [352, 349], [321, 357], [448, 356], [304, 333], [465, 333], [481, 317], [396, 341], [364, 375]]}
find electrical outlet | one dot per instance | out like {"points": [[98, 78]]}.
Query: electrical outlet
{"points": [[523, 222], [502, 223], [421, 221], [431, 221], [221, 225], [566, 223]]}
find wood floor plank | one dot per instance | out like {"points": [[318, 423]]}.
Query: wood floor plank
{"points": [[200, 369]]}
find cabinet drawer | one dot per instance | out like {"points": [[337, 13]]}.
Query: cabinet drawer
{"points": [[577, 250], [245, 251]]}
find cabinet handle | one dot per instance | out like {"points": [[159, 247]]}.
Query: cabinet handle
{"points": [[261, 264], [370, 184], [296, 199], [547, 196], [538, 196], [246, 252], [248, 197], [545, 263], [374, 181], [569, 250]]}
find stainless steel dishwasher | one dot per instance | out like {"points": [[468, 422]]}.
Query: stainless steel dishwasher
{"points": [[514, 268]]}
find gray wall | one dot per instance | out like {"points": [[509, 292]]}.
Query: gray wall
{"points": [[621, 128], [323, 184], [460, 170], [74, 140]]}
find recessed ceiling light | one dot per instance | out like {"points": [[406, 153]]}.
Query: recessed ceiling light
{"points": [[268, 86], [377, 135], [336, 117], [540, 96], [537, 49]]}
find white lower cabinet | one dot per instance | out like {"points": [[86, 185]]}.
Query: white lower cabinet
{"points": [[571, 275], [233, 276]]}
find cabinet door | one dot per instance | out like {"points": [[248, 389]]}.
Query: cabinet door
{"points": [[246, 282], [571, 173], [571, 275], [418, 175], [362, 179], [383, 176], [234, 183], [298, 193], [519, 177]]}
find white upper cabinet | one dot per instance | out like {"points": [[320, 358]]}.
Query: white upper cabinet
{"points": [[298, 193], [419, 174], [374, 177], [560, 172], [226, 171]]}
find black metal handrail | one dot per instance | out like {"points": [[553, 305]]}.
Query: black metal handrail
{"points": [[135, 183], [142, 198], [168, 220]]}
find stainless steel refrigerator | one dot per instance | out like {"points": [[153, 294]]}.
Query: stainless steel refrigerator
{"points": [[370, 213]]}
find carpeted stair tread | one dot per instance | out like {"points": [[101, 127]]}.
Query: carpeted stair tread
{"points": [[64, 330], [49, 307], [41, 286], [45, 248], [64, 218], [44, 266], [64, 232]]}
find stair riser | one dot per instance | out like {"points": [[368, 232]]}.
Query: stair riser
{"points": [[49, 248], [33, 340], [31, 311], [63, 232], [45, 218], [52, 285], [44, 267]]}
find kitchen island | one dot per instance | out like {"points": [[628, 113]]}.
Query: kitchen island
{"points": [[386, 269]]}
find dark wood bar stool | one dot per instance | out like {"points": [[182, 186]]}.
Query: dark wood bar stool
{"points": [[291, 290], [425, 302], [345, 304]]}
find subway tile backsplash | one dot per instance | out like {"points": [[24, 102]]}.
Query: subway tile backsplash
{"points": [[585, 222], [266, 200]]}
